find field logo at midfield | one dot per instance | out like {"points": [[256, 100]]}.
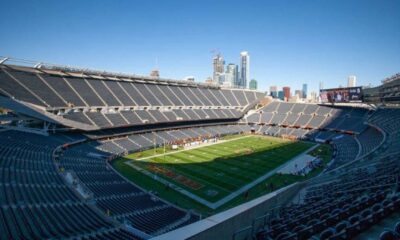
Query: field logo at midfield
{"points": [[174, 176]]}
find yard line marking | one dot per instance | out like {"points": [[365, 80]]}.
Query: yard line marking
{"points": [[201, 173], [231, 195], [206, 183], [210, 169], [200, 146]]}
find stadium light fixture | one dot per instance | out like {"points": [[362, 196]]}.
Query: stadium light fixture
{"points": [[38, 65], [3, 60]]}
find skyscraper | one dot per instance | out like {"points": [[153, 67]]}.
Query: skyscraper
{"points": [[313, 96], [273, 91], [286, 93], [321, 85], [244, 69], [281, 95], [231, 74], [189, 78], [253, 84], [304, 91], [220, 78], [351, 81], [155, 73], [218, 67]]}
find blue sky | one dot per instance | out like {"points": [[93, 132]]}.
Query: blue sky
{"points": [[290, 42]]}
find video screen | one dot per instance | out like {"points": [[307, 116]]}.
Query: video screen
{"points": [[341, 95]]}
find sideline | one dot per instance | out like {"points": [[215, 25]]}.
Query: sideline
{"points": [[188, 149], [215, 205]]}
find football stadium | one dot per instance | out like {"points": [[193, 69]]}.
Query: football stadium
{"points": [[96, 155], [88, 152]]}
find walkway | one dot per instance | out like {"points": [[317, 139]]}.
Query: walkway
{"points": [[298, 162]]}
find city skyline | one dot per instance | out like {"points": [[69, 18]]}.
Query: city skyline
{"points": [[231, 76], [290, 44]]}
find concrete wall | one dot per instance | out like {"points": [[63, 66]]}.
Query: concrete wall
{"points": [[224, 225]]}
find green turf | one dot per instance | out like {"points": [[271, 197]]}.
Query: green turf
{"points": [[225, 167], [222, 168], [167, 148]]}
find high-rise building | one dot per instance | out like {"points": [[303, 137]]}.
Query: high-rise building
{"points": [[298, 93], [304, 91], [286, 93], [321, 85], [218, 67], [281, 95], [209, 80], [244, 69], [273, 91], [253, 84], [220, 77], [189, 78], [313, 97], [351, 81], [155, 73], [232, 74], [295, 98]]}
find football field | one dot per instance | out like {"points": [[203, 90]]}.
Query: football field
{"points": [[215, 171]]}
